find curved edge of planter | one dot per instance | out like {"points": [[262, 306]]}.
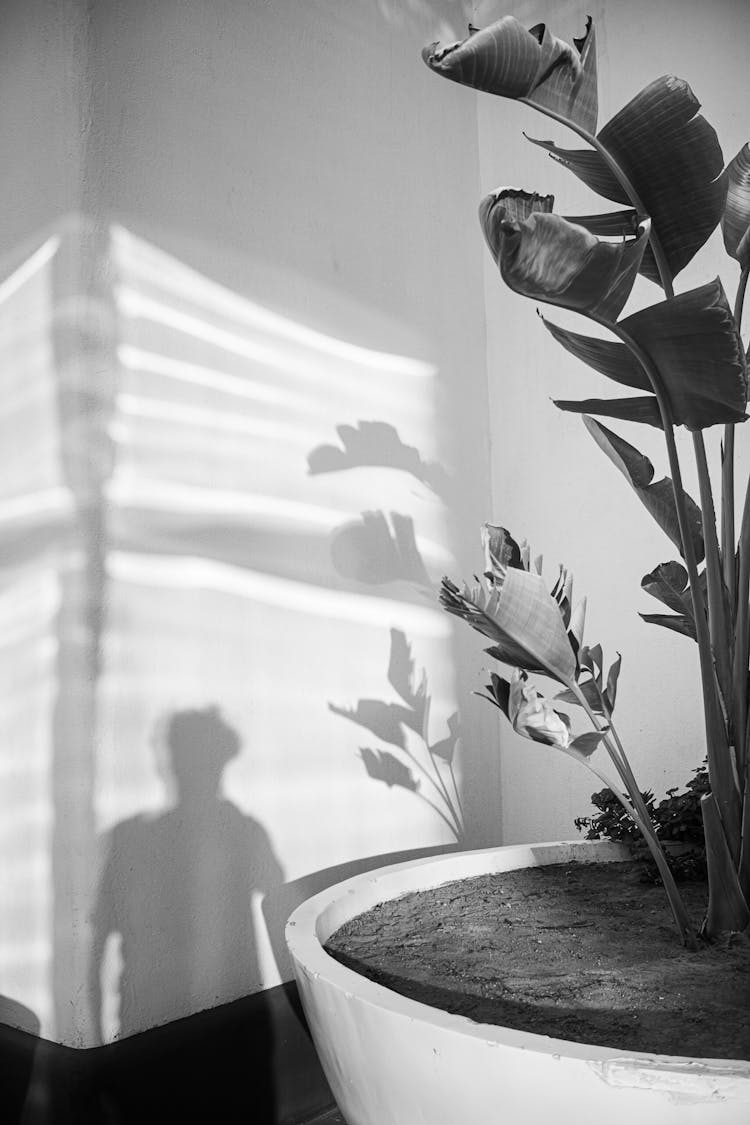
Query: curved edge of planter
{"points": [[326, 986]]}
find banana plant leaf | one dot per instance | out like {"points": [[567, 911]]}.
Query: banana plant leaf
{"points": [[639, 409], [735, 222], [668, 583], [673, 159], [557, 260], [656, 496], [693, 341], [678, 623], [522, 617], [513, 62]]}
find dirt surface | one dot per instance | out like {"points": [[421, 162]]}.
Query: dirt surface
{"points": [[576, 951]]}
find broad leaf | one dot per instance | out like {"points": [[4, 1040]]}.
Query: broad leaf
{"points": [[590, 692], [588, 742], [693, 341], [608, 357], [549, 258], [639, 409], [508, 60], [673, 159], [735, 223], [656, 496], [678, 624], [668, 583], [386, 767], [521, 617]]}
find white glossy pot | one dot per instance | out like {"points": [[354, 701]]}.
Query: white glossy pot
{"points": [[394, 1061]]}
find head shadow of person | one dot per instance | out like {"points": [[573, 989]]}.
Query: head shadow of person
{"points": [[176, 890]]}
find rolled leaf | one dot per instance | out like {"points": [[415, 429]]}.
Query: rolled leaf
{"points": [[548, 258], [656, 496], [509, 205], [612, 678], [641, 409], [735, 222], [534, 717], [673, 159], [508, 60], [500, 549]]}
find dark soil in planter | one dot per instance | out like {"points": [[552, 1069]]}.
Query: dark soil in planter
{"points": [[586, 952]]}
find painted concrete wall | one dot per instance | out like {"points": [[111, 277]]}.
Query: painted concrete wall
{"points": [[551, 484], [260, 234]]}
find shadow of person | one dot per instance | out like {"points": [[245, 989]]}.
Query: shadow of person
{"points": [[176, 888]]}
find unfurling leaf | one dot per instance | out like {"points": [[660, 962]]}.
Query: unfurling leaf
{"points": [[657, 497], [508, 60], [612, 677], [735, 223], [500, 549], [521, 617], [672, 157], [557, 260], [383, 766]]}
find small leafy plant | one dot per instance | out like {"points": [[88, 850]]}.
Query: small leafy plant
{"points": [[660, 162], [677, 819]]}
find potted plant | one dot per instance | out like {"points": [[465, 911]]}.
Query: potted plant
{"points": [[659, 160]]}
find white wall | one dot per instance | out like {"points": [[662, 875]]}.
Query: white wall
{"points": [[275, 241], [276, 236], [551, 484]]}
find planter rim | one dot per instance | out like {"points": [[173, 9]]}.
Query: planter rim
{"points": [[312, 923]]}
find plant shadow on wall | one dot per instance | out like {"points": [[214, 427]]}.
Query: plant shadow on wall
{"points": [[374, 550], [176, 889]]}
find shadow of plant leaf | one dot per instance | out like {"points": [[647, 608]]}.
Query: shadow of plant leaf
{"points": [[384, 766], [370, 551], [376, 444], [446, 747], [379, 718]]}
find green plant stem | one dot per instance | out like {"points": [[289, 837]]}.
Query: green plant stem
{"points": [[717, 607], [636, 809]]}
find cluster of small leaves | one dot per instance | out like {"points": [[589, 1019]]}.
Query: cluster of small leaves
{"points": [[677, 818]]}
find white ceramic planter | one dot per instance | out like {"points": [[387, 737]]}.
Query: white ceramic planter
{"points": [[394, 1061]]}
